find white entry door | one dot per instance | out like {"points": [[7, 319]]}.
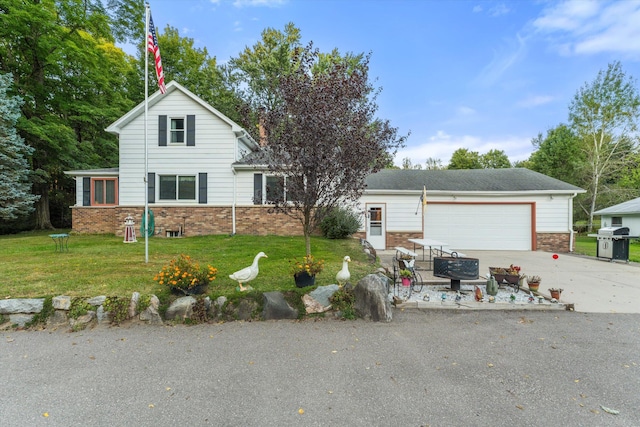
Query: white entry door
{"points": [[376, 234]]}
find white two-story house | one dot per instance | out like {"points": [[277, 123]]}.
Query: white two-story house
{"points": [[204, 177]]}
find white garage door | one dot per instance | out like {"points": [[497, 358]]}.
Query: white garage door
{"points": [[480, 226]]}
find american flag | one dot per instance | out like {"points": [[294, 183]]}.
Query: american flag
{"points": [[152, 46]]}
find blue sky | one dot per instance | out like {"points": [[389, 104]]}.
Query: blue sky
{"points": [[479, 75]]}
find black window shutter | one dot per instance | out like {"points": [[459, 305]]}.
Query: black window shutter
{"points": [[151, 185], [202, 188], [86, 191], [257, 189], [191, 130], [162, 131]]}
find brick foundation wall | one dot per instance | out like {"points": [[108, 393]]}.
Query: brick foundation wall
{"points": [[553, 242], [94, 220], [194, 221], [394, 239]]}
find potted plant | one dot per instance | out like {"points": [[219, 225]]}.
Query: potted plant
{"points": [[405, 277], [304, 271], [555, 292], [185, 276], [534, 283]]}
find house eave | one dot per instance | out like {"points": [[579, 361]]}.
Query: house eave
{"points": [[387, 192]]}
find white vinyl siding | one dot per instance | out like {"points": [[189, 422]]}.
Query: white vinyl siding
{"points": [[213, 153]]}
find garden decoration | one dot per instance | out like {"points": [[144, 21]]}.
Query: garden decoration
{"points": [[510, 275], [247, 273], [304, 272], [533, 282], [185, 276], [343, 275], [405, 277]]}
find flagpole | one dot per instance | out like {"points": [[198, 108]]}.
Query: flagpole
{"points": [[146, 111]]}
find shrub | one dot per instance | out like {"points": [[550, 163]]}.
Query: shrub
{"points": [[340, 223], [343, 301]]}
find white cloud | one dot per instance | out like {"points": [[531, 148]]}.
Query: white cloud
{"points": [[535, 101], [466, 111], [442, 145], [499, 9], [477, 9], [503, 60], [591, 27]]}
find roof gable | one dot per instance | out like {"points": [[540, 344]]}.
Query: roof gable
{"points": [[629, 207], [464, 180], [117, 126]]}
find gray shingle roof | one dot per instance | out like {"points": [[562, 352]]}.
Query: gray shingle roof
{"points": [[507, 180], [629, 207]]}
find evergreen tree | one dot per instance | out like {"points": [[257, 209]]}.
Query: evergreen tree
{"points": [[16, 199]]}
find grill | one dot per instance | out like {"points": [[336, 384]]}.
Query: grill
{"points": [[613, 243], [456, 269]]}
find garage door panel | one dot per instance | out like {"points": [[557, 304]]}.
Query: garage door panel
{"points": [[480, 226]]}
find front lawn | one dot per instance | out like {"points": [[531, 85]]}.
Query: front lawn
{"points": [[104, 265], [588, 245]]}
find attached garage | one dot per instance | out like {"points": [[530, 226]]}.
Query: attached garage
{"points": [[480, 226], [479, 209]]}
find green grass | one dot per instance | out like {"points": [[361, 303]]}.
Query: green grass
{"points": [[104, 265], [588, 245]]}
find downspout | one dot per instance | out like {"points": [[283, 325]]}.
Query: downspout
{"points": [[233, 204], [570, 201]]}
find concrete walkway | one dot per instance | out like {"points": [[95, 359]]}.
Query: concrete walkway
{"points": [[591, 284]]}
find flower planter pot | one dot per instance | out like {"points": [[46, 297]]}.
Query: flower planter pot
{"points": [[304, 279], [555, 293], [406, 281], [534, 286]]}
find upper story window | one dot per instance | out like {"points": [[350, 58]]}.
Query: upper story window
{"points": [[177, 131], [616, 221], [177, 187], [104, 191]]}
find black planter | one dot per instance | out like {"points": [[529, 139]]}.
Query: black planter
{"points": [[304, 279]]}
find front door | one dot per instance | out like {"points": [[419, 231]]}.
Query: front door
{"points": [[375, 226]]}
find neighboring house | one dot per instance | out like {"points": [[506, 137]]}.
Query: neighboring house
{"points": [[205, 177], [625, 214]]}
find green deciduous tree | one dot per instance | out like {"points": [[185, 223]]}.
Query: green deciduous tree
{"points": [[72, 78], [16, 199], [604, 115], [495, 159], [462, 158], [324, 137], [560, 155]]}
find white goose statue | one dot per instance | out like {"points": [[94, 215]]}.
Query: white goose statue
{"points": [[343, 275], [247, 273]]}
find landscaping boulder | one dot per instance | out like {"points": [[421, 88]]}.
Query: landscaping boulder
{"points": [[21, 305], [372, 299], [215, 308], [61, 302], [133, 305], [323, 293], [276, 307], [151, 314], [313, 306], [96, 301], [181, 308]]}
